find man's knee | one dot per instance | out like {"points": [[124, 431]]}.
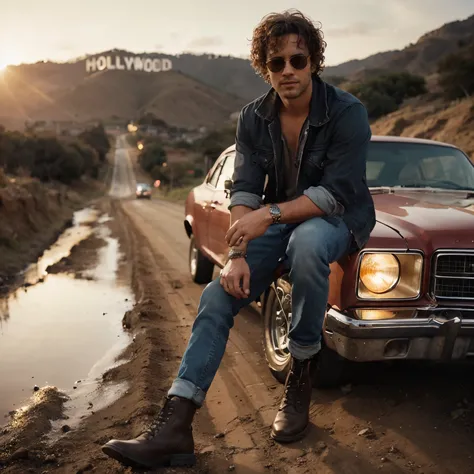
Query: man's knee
{"points": [[215, 303], [308, 241], [319, 239]]}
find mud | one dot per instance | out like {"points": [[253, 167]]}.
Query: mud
{"points": [[397, 419]]}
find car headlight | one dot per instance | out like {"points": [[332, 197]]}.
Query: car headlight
{"points": [[394, 275], [379, 272]]}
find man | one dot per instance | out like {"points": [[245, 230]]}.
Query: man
{"points": [[309, 140]]}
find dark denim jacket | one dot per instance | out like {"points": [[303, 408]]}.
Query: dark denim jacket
{"points": [[332, 157]]}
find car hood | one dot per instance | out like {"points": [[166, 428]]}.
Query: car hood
{"points": [[429, 220]]}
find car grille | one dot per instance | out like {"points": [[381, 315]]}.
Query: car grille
{"points": [[454, 276]]}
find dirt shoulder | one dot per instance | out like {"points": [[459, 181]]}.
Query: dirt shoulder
{"points": [[33, 215], [393, 421]]}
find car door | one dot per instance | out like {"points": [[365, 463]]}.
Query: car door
{"points": [[203, 196], [219, 214]]}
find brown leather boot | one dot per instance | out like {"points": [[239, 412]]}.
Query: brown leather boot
{"points": [[292, 418], [168, 442]]}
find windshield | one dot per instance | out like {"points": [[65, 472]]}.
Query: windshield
{"points": [[419, 166]]}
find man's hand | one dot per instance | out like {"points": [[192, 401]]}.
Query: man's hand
{"points": [[249, 227], [233, 275]]}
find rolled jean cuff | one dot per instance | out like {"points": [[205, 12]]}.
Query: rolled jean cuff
{"points": [[303, 352], [186, 389]]}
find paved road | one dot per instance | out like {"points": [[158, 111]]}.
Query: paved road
{"points": [[123, 178]]}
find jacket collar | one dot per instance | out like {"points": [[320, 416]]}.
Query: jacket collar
{"points": [[319, 108]]}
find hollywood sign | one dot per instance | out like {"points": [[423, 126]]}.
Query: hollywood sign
{"points": [[127, 63]]}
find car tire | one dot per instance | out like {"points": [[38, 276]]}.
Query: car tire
{"points": [[327, 367], [200, 267], [275, 327]]}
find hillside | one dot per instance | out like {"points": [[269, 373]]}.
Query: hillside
{"points": [[451, 123], [199, 90], [172, 96], [418, 58]]}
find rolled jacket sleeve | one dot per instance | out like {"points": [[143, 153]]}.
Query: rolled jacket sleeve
{"points": [[345, 164], [324, 200]]}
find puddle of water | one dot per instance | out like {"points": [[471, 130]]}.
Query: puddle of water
{"points": [[65, 330], [81, 229]]}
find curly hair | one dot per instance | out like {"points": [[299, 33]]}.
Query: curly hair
{"points": [[269, 31]]}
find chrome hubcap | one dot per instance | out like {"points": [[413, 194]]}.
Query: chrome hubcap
{"points": [[280, 325], [193, 260]]}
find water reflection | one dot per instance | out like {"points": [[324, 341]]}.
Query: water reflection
{"points": [[64, 329]]}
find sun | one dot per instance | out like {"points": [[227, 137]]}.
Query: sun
{"points": [[7, 59]]}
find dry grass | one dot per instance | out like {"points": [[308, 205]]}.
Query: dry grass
{"points": [[447, 122]]}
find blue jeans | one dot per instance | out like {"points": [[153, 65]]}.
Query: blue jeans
{"points": [[310, 247]]}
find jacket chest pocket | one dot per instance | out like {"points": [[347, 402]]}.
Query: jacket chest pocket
{"points": [[264, 159], [313, 162]]}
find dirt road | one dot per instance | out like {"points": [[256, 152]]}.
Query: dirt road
{"points": [[419, 417], [400, 419]]}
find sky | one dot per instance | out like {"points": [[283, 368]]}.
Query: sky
{"points": [[32, 30]]}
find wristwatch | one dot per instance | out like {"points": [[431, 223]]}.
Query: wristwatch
{"points": [[275, 212]]}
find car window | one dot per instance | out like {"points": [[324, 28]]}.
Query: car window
{"points": [[418, 165], [214, 173], [373, 169], [227, 171]]}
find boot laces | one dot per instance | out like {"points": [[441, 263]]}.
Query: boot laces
{"points": [[293, 388], [162, 418]]}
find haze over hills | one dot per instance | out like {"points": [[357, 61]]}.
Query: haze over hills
{"points": [[200, 90], [418, 58]]}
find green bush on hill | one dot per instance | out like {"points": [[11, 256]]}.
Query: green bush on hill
{"points": [[385, 93], [152, 155], [49, 158], [96, 137], [456, 72]]}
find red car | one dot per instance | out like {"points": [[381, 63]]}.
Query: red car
{"points": [[409, 294]]}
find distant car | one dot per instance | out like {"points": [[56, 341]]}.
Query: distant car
{"points": [[409, 294], [143, 191]]}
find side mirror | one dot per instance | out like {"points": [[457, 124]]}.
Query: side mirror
{"points": [[228, 186]]}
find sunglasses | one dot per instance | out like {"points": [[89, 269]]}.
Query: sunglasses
{"points": [[297, 61]]}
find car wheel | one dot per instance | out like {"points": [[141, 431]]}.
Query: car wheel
{"points": [[327, 367], [200, 267], [276, 325]]}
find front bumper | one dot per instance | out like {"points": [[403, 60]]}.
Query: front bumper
{"points": [[441, 335]]}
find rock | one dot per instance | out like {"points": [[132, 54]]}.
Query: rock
{"points": [[208, 450], [50, 458], [383, 459], [393, 450], [74, 387], [66, 428], [36, 388], [86, 467], [231, 467], [319, 447], [367, 433], [219, 435], [21, 453]]}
